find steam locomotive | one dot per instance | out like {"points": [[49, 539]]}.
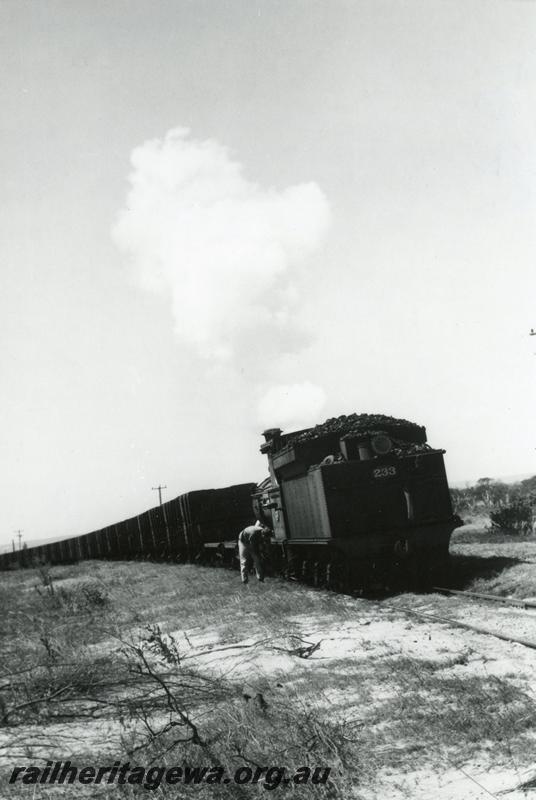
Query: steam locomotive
{"points": [[356, 501]]}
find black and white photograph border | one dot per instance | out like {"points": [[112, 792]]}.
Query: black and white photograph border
{"points": [[268, 384]]}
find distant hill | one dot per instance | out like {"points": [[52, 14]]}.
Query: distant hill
{"points": [[7, 548], [499, 478]]}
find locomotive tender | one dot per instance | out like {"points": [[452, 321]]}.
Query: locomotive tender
{"points": [[361, 499], [358, 500]]}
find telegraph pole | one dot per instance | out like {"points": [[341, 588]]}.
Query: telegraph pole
{"points": [[19, 534], [159, 490]]}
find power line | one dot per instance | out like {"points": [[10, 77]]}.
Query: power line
{"points": [[159, 490], [19, 534]]}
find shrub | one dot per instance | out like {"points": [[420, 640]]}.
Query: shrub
{"points": [[84, 596], [514, 519]]}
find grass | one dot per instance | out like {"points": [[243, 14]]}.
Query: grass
{"points": [[475, 534], [73, 656], [518, 581], [456, 713], [97, 650], [489, 562], [426, 707]]}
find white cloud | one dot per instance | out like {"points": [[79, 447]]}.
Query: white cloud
{"points": [[225, 248]]}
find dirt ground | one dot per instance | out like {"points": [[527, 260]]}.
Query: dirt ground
{"points": [[424, 708]]}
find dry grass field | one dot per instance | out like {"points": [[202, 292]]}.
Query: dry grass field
{"points": [[169, 665]]}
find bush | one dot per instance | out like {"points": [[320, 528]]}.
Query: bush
{"points": [[514, 519], [84, 596]]}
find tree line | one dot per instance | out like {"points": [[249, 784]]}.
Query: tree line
{"points": [[511, 506]]}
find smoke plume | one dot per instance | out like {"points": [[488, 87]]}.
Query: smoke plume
{"points": [[230, 255], [224, 247], [291, 406]]}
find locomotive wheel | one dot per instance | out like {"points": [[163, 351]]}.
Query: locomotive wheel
{"points": [[320, 574], [305, 571], [333, 576], [338, 576], [291, 567]]}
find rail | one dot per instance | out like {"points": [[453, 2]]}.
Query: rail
{"points": [[466, 625], [512, 601]]}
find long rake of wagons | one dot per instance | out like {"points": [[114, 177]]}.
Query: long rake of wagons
{"points": [[356, 501]]}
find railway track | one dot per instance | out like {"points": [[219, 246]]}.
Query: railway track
{"points": [[459, 624], [308, 574], [468, 626], [493, 598], [304, 574]]}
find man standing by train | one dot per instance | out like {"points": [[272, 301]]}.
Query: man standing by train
{"points": [[251, 550]]}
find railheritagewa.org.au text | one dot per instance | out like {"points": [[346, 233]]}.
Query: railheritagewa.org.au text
{"points": [[63, 772]]}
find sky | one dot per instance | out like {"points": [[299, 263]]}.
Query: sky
{"points": [[225, 215]]}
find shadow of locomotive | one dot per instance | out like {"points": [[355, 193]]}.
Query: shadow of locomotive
{"points": [[463, 570]]}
